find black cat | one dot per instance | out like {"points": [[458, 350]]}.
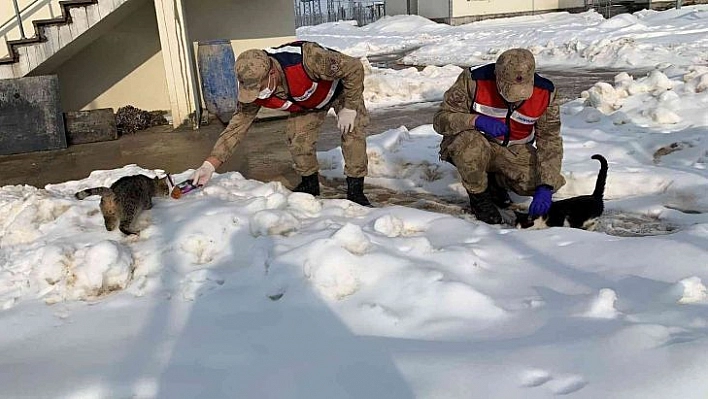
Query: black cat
{"points": [[579, 212]]}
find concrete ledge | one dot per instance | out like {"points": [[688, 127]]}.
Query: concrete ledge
{"points": [[30, 115]]}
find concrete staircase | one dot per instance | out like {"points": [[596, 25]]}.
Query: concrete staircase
{"points": [[57, 38]]}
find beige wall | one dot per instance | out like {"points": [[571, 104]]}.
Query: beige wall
{"points": [[247, 23], [462, 8], [223, 19], [122, 67], [239, 19]]}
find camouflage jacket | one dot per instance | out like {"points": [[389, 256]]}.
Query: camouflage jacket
{"points": [[320, 64], [455, 116]]}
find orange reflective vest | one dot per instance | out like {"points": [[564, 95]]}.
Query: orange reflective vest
{"points": [[305, 93], [520, 119]]}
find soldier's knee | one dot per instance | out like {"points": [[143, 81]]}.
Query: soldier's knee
{"points": [[558, 183], [468, 151], [356, 134]]}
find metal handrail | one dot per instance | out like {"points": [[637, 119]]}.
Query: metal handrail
{"points": [[19, 19], [31, 8]]}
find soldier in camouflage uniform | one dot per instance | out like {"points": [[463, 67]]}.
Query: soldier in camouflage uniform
{"points": [[305, 80], [489, 119]]}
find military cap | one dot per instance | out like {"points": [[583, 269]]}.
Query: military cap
{"points": [[252, 66], [515, 70]]}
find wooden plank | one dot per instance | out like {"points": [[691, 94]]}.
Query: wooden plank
{"points": [[7, 71], [105, 8], [79, 21], [30, 57], [19, 65], [41, 53], [73, 31], [92, 14], [18, 69], [53, 41], [64, 34], [90, 126]]}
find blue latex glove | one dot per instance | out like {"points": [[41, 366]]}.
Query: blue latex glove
{"points": [[541, 203], [490, 126]]}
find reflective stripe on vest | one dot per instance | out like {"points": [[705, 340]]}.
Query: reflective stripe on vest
{"points": [[305, 94], [522, 120]]}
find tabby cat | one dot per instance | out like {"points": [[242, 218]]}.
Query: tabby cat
{"points": [[126, 199], [580, 212]]}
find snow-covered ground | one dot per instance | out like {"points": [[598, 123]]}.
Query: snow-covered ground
{"points": [[584, 40], [244, 289]]}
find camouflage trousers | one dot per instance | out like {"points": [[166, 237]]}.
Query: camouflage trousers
{"points": [[474, 156], [304, 128]]}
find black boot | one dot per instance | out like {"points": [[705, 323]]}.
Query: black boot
{"points": [[309, 184], [355, 191], [484, 209], [500, 196]]}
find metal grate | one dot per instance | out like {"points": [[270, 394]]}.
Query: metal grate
{"points": [[313, 12], [604, 7]]}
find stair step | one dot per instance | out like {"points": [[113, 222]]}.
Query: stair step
{"points": [[39, 36]]}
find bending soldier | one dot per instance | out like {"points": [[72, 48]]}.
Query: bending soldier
{"points": [[305, 80]]}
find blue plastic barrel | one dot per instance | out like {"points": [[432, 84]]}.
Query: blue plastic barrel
{"points": [[216, 66]]}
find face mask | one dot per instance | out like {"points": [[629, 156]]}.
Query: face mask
{"points": [[267, 92]]}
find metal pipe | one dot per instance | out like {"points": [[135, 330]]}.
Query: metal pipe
{"points": [[181, 14], [19, 19]]}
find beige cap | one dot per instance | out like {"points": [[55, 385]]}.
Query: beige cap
{"points": [[515, 69], [252, 66]]}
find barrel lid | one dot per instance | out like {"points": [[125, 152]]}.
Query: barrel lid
{"points": [[215, 41]]}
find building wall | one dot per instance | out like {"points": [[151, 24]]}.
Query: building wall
{"points": [[248, 24], [396, 7], [400, 7], [465, 11], [240, 20], [434, 9], [471, 10], [121, 67], [124, 65], [463, 8]]}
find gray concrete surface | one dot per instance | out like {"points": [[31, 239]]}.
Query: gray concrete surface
{"points": [[263, 155]]}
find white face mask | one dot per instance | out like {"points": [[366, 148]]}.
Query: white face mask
{"points": [[267, 92]]}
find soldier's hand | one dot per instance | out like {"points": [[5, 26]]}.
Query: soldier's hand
{"points": [[542, 199], [490, 126], [345, 120], [202, 175]]}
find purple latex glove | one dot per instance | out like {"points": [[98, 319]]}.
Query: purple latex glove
{"points": [[490, 126], [541, 203]]}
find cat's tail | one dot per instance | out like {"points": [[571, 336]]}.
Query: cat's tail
{"points": [[601, 177], [93, 191]]}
